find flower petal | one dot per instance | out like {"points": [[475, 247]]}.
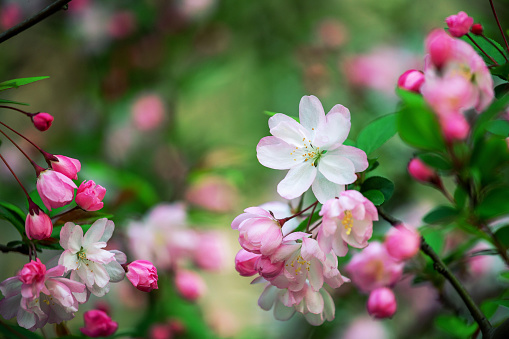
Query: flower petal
{"points": [[314, 301], [325, 190], [311, 113], [274, 153], [334, 132], [277, 118], [95, 232], [297, 181], [267, 297], [115, 271], [282, 312], [357, 156], [75, 239], [290, 132], [337, 169]]}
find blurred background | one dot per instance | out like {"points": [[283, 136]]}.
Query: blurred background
{"points": [[163, 101]]}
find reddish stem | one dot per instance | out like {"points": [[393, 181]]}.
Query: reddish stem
{"points": [[498, 23], [282, 221], [16, 177], [482, 50], [38, 169], [47, 156], [493, 44]]}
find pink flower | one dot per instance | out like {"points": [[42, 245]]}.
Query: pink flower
{"points": [[89, 196], [32, 275], [259, 231], [189, 284], [365, 327], [454, 127], [449, 95], [267, 269], [213, 193], [402, 243], [245, 263], [382, 303], [440, 47], [209, 253], [312, 150], [98, 324], [42, 121], [148, 112], [411, 80], [459, 24], [55, 189], [346, 220], [373, 267], [10, 15], [38, 224], [143, 275], [421, 172], [67, 166]]}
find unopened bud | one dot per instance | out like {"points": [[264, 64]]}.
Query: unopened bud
{"points": [[382, 303], [411, 80], [420, 172], [37, 224], [459, 24], [477, 29], [455, 127], [42, 121], [189, 284]]}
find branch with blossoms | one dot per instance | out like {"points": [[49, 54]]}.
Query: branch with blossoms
{"points": [[449, 114]]}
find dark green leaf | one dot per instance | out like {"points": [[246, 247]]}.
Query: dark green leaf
{"points": [[460, 197], [417, 124], [16, 332], [434, 238], [10, 102], [495, 203], [373, 164], [487, 47], [436, 161], [505, 275], [501, 71], [498, 127], [15, 83], [455, 326], [440, 215], [381, 184], [270, 114], [14, 215], [501, 90], [502, 234], [495, 108], [489, 308], [375, 196], [377, 133], [502, 302]]}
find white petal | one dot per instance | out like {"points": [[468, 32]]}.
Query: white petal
{"points": [[277, 118], [120, 256], [25, 319], [314, 319], [11, 286], [69, 260], [108, 231], [65, 234], [267, 297], [274, 153], [357, 156], [9, 306], [337, 169], [297, 181], [314, 301], [75, 239], [311, 113], [291, 132], [282, 312], [325, 190], [101, 277], [100, 291], [115, 271], [95, 232], [334, 132], [345, 112]]}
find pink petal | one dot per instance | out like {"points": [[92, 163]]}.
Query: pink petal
{"points": [[314, 301], [279, 117], [274, 153], [297, 181], [290, 132], [345, 112], [311, 113]]}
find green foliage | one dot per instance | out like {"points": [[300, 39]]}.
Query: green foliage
{"points": [[15, 83], [502, 234], [375, 196], [303, 224], [455, 326], [495, 108], [498, 127], [501, 90], [435, 160], [440, 215], [377, 133], [494, 203], [487, 47], [10, 102], [14, 215], [381, 184], [16, 332], [460, 197], [435, 238], [501, 71]]}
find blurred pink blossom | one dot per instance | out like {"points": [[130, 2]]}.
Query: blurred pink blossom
{"points": [[365, 327], [421, 172], [402, 243], [121, 24], [411, 80], [210, 251], [459, 24], [98, 324], [213, 193], [332, 33], [10, 15], [148, 112], [190, 285], [454, 127], [382, 303]]}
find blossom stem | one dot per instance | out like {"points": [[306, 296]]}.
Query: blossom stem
{"points": [[15, 176], [498, 23], [493, 44], [23, 249], [310, 217], [441, 188], [282, 221], [19, 110], [482, 50], [38, 169], [500, 247]]}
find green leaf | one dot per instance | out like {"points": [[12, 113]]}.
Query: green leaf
{"points": [[373, 164], [304, 223], [13, 331], [381, 184], [501, 90], [436, 161], [10, 102], [504, 275], [440, 215], [270, 114], [498, 127], [14, 215], [494, 203], [487, 47], [375, 196], [502, 234], [501, 71], [455, 326], [417, 124], [502, 302], [460, 197], [15, 83], [489, 308], [495, 108], [377, 133], [434, 238]]}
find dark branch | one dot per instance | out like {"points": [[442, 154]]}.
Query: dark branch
{"points": [[46, 12], [23, 249]]}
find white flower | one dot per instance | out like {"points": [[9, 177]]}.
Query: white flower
{"points": [[85, 257], [312, 150]]}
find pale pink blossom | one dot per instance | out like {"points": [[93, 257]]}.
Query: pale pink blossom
{"points": [[245, 263], [259, 231], [98, 324], [454, 127], [85, 257], [143, 275], [373, 267], [160, 331], [365, 327], [38, 224], [312, 150], [347, 220], [449, 95], [382, 303], [190, 285], [421, 172], [210, 251], [411, 80], [56, 189], [89, 196], [316, 306], [42, 121], [402, 243], [282, 210], [148, 112], [213, 193], [67, 166], [268, 269], [459, 24]]}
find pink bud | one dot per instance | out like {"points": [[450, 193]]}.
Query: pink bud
{"points": [[89, 196], [402, 243], [160, 331], [67, 166], [267, 269], [10, 15], [33, 272], [477, 29], [98, 324], [440, 47], [245, 263], [411, 80], [37, 224], [143, 275], [42, 121], [56, 190], [189, 284], [455, 127], [459, 24], [382, 303], [420, 172]]}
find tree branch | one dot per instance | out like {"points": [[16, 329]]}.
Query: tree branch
{"points": [[23, 249], [43, 14]]}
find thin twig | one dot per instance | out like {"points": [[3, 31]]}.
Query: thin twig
{"points": [[23, 249], [482, 50], [493, 44], [43, 14], [498, 23], [310, 217], [500, 247]]}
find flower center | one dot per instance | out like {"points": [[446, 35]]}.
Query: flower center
{"points": [[348, 222], [298, 263], [308, 152]]}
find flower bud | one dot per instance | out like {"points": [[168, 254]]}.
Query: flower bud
{"points": [[98, 324], [89, 196], [37, 224], [56, 190], [33, 272], [411, 80], [245, 263], [440, 47], [459, 24], [402, 243], [67, 166], [454, 127], [189, 285], [143, 275], [267, 269], [420, 172], [476, 29], [382, 303], [42, 121]]}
